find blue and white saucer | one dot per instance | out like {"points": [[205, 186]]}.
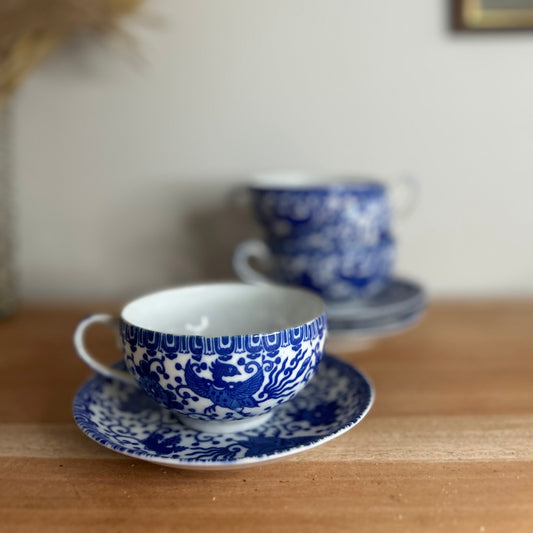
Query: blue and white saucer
{"points": [[122, 418], [399, 296], [345, 336]]}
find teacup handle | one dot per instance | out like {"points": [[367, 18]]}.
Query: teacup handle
{"points": [[79, 343], [251, 249], [411, 187]]}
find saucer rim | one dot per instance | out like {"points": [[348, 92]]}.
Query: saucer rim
{"points": [[341, 310], [194, 464], [408, 321]]}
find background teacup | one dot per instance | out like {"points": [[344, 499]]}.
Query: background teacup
{"points": [[222, 355], [355, 272], [318, 209], [332, 235]]}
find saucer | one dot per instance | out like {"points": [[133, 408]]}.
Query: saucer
{"points": [[122, 418], [400, 295], [377, 324], [355, 335]]}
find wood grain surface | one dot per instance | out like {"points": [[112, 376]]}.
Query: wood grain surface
{"points": [[448, 445]]}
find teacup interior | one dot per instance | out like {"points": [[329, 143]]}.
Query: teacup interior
{"points": [[221, 309]]}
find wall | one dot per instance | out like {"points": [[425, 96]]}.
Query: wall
{"points": [[124, 159]]}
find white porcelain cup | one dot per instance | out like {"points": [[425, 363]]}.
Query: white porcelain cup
{"points": [[222, 356]]}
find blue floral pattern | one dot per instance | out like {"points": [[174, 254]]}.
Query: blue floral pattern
{"points": [[359, 271], [122, 418], [223, 378], [324, 218]]}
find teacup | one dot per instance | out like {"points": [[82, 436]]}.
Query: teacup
{"points": [[341, 274], [326, 211], [221, 356]]}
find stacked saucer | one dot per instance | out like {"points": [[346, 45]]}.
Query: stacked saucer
{"points": [[357, 324]]}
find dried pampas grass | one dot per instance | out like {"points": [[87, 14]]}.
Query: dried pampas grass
{"points": [[31, 29]]}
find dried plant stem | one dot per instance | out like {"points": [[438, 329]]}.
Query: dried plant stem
{"points": [[31, 29], [30, 50]]}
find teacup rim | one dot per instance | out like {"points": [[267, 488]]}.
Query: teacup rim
{"points": [[322, 315], [298, 181]]}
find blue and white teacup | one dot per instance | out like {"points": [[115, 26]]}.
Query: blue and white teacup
{"points": [[326, 211], [221, 356], [341, 274]]}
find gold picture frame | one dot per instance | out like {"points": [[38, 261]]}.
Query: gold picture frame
{"points": [[494, 14]]}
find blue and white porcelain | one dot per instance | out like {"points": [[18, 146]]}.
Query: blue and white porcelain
{"points": [[356, 272], [398, 296], [377, 325], [221, 356], [356, 334], [321, 212], [120, 417]]}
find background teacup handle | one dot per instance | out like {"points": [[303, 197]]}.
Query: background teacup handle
{"points": [[79, 344], [411, 188], [251, 249]]}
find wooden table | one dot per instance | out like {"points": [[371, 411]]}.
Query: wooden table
{"points": [[448, 445]]}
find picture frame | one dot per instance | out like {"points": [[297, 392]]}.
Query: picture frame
{"points": [[493, 14]]}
